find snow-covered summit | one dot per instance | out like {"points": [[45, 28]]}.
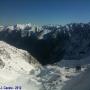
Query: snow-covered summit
{"points": [[22, 26], [11, 27], [1, 28], [17, 27]]}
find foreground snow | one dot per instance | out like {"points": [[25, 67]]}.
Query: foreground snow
{"points": [[16, 70], [81, 82]]}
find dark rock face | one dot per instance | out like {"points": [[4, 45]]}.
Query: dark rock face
{"points": [[71, 41]]}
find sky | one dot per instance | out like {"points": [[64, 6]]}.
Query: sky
{"points": [[44, 11]]}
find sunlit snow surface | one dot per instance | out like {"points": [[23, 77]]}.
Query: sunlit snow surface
{"points": [[15, 70]]}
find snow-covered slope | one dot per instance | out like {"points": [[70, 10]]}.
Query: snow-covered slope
{"points": [[16, 66], [65, 75], [19, 68], [13, 62], [81, 82]]}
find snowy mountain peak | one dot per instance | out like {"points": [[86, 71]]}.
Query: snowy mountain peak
{"points": [[22, 26], [16, 27]]}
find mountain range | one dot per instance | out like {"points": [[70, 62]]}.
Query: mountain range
{"points": [[48, 57], [50, 43]]}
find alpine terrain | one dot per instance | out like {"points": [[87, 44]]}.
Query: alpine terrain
{"points": [[48, 57]]}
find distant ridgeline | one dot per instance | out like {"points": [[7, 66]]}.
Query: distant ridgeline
{"points": [[50, 43]]}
